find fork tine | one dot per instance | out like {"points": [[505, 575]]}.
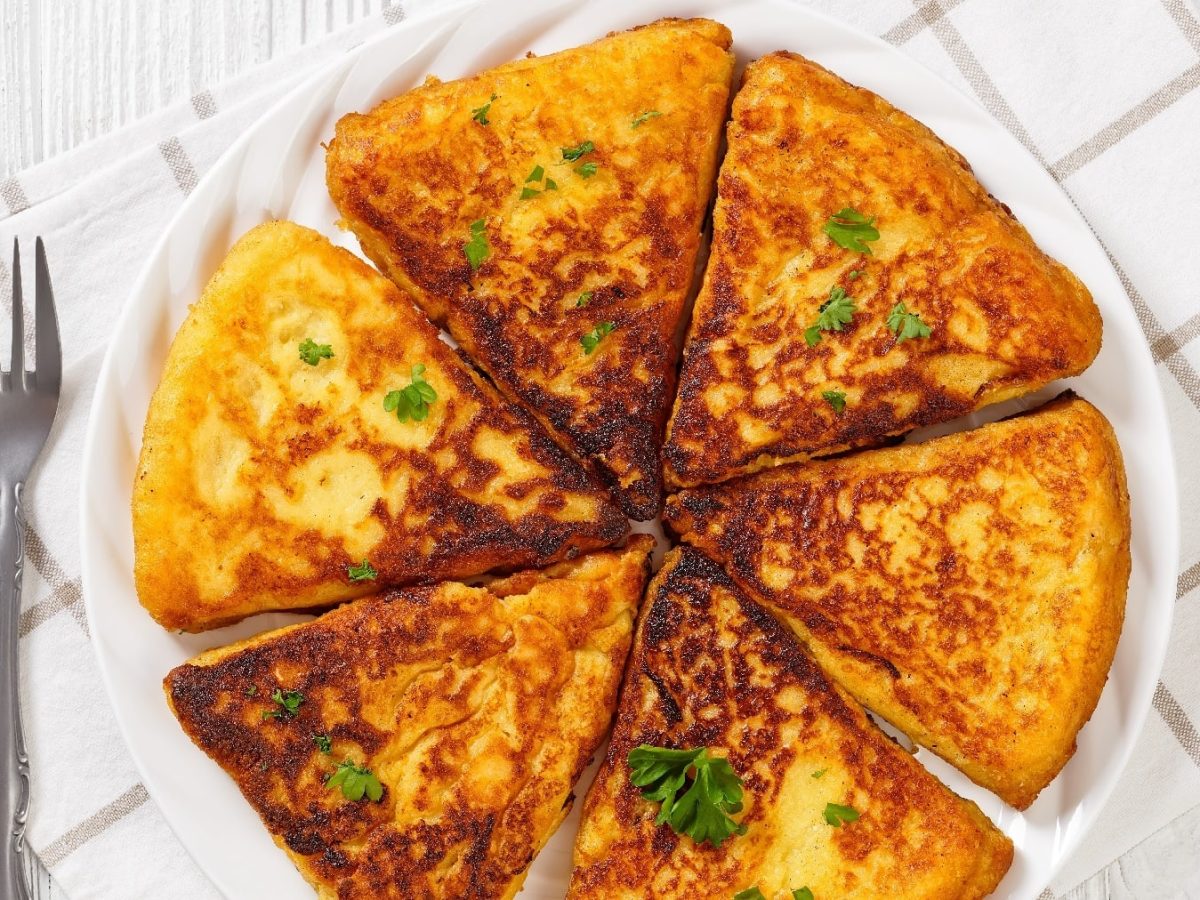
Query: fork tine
{"points": [[17, 360], [48, 350]]}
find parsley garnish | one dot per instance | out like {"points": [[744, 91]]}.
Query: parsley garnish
{"points": [[837, 400], [592, 339], [323, 743], [412, 401], [834, 314], [802, 894], [702, 812], [819, 773], [837, 815], [252, 691], [584, 299], [536, 175], [642, 119], [288, 703], [750, 893], [364, 571], [586, 170], [551, 184], [528, 193], [855, 274], [849, 229], [476, 249], [355, 781], [312, 352], [480, 113], [570, 154], [907, 324]]}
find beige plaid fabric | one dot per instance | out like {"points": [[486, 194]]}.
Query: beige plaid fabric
{"points": [[1106, 93]]}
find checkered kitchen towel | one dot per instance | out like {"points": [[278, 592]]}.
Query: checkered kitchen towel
{"points": [[1106, 93]]}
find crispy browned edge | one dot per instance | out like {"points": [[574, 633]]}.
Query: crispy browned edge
{"points": [[683, 564], [1023, 787], [483, 551], [264, 649], [684, 466], [640, 439]]}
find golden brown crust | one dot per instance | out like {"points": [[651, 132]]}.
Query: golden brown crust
{"points": [[477, 711], [803, 144], [710, 668], [971, 589], [262, 478], [410, 177]]}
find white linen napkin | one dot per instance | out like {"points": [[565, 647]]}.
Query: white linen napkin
{"points": [[1110, 103]]}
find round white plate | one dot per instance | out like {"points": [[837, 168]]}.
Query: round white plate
{"points": [[276, 170]]}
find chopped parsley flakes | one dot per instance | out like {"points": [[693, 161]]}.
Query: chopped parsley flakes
{"points": [[412, 401], [312, 352], [480, 113], [364, 571], [287, 705], [906, 324], [476, 249], [355, 781], [850, 229], [592, 339]]}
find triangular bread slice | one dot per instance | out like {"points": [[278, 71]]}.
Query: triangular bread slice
{"points": [[547, 213], [801, 345], [271, 482], [710, 668], [474, 709], [970, 590]]}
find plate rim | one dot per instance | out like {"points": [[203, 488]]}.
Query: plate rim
{"points": [[453, 14]]}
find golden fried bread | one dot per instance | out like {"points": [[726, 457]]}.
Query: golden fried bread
{"points": [[264, 479], [971, 589], [711, 668], [595, 250], [475, 708], [761, 381]]}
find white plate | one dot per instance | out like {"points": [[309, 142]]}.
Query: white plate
{"points": [[276, 170]]}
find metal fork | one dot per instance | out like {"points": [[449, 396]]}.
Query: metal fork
{"points": [[28, 402]]}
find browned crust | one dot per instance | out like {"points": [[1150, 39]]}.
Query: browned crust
{"points": [[630, 234], [803, 144], [971, 589], [710, 668], [406, 684], [465, 527]]}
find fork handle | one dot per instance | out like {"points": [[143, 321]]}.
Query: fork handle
{"points": [[14, 799]]}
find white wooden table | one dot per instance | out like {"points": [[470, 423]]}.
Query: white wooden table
{"points": [[75, 71]]}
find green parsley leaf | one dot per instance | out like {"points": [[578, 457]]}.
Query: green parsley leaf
{"points": [[837, 815], [837, 400], [476, 249], [644, 117], [819, 773], [751, 893], [833, 315], [702, 812], [252, 691], [570, 154], [323, 743], [528, 193], [849, 228], [480, 113], [584, 299], [855, 274], [364, 571], [551, 184], [586, 170], [592, 339], [802, 894], [412, 401], [288, 703], [907, 324], [536, 175], [312, 352], [355, 781]]}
